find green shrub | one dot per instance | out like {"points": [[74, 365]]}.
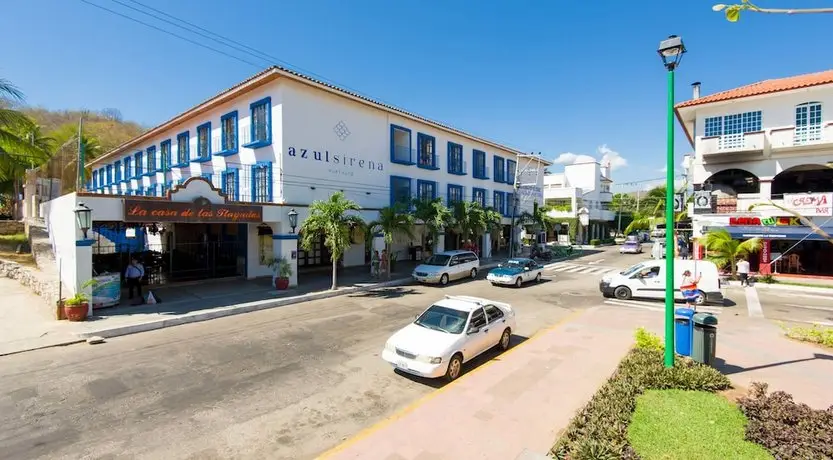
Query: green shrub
{"points": [[595, 242], [766, 279], [814, 334], [787, 429], [648, 340], [603, 422]]}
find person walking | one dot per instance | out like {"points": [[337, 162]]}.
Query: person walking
{"points": [[688, 287], [133, 278], [374, 264], [743, 271]]}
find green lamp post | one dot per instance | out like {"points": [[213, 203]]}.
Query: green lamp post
{"points": [[671, 51]]}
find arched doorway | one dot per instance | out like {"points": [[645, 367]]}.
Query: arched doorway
{"points": [[803, 179], [732, 182]]}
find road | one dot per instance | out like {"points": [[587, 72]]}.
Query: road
{"points": [[285, 383]]}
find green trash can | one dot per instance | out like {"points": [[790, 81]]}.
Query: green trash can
{"points": [[704, 342]]}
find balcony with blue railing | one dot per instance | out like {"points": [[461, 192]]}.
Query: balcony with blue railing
{"points": [[459, 168], [483, 173], [427, 160]]}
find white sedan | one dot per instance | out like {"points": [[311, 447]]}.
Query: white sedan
{"points": [[449, 333]]}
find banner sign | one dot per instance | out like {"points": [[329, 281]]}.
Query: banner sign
{"points": [[810, 204], [766, 221], [200, 211]]}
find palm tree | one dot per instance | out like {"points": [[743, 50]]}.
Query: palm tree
{"points": [[392, 221], [331, 219], [434, 215], [723, 250], [469, 220]]}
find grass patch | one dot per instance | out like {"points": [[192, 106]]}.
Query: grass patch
{"points": [[23, 259], [677, 424], [815, 334], [17, 238], [795, 283]]}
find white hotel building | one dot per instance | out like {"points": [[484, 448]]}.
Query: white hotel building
{"points": [[768, 142], [269, 145], [583, 187]]}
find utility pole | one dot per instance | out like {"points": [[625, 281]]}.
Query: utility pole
{"points": [[619, 225], [81, 160]]}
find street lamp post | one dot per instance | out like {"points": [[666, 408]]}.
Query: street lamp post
{"points": [[671, 51]]}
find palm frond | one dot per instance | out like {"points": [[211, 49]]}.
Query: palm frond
{"points": [[10, 91]]}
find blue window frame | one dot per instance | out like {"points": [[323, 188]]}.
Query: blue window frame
{"points": [[400, 190], [165, 188], [498, 202], [102, 178], [150, 168], [231, 183], [150, 190], [426, 152], [228, 134], [739, 123], [511, 165], [260, 131], [510, 204], [478, 195], [499, 169], [479, 161], [426, 189], [183, 148], [109, 174], [808, 125], [165, 156], [128, 169], [456, 165], [137, 164], [262, 182], [713, 126], [455, 194], [117, 168], [95, 180], [209, 177], [400, 145], [203, 142]]}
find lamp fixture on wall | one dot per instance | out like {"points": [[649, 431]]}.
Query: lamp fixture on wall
{"points": [[293, 219], [83, 216]]}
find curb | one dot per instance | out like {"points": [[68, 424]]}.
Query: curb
{"points": [[789, 287], [220, 312]]}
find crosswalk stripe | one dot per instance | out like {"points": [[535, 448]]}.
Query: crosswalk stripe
{"points": [[575, 269], [565, 267], [588, 271]]}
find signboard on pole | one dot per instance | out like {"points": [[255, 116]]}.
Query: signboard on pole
{"points": [[679, 202]]}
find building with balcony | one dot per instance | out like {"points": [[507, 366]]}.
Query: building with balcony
{"points": [[583, 186], [762, 147], [222, 188]]}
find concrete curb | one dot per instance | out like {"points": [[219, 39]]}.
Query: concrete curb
{"points": [[230, 310], [789, 287]]}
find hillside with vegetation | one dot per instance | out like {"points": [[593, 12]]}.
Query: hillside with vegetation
{"points": [[106, 126]]}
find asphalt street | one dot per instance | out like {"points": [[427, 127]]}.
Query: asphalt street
{"points": [[286, 383]]}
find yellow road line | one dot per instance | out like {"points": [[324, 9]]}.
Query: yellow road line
{"points": [[367, 432]]}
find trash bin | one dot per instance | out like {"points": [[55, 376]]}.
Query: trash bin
{"points": [[682, 331], [704, 342]]}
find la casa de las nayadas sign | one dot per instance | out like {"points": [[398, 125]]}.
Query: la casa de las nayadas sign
{"points": [[200, 211]]}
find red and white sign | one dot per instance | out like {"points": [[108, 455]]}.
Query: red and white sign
{"points": [[810, 204]]}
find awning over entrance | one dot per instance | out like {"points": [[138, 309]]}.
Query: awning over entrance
{"points": [[774, 233]]}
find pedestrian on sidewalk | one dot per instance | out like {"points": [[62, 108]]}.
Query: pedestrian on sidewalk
{"points": [[384, 261], [688, 287], [133, 278], [743, 271], [374, 264]]}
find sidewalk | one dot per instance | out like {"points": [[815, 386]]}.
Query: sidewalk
{"points": [[517, 401]]}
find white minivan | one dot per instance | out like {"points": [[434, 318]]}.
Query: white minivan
{"points": [[647, 280], [443, 267]]}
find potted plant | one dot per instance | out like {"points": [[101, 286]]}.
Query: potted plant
{"points": [[76, 307], [281, 272]]}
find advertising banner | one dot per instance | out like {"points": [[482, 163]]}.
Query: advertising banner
{"points": [[810, 204]]}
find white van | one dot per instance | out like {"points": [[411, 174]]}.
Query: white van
{"points": [[443, 267], [647, 280]]}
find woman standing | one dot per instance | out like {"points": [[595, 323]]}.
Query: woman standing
{"points": [[688, 287]]}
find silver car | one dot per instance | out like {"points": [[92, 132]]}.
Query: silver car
{"points": [[631, 247], [443, 267]]}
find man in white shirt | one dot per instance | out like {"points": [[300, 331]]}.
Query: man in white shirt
{"points": [[743, 271], [133, 278]]}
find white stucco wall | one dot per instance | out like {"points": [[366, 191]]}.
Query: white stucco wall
{"points": [[63, 232]]}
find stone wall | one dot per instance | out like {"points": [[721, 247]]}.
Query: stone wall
{"points": [[11, 227], [40, 283]]}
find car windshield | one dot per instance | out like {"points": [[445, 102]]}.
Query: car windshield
{"points": [[443, 319], [630, 243], [437, 259], [633, 269]]}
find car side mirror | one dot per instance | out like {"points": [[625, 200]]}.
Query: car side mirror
{"points": [[526, 269], [473, 330], [499, 265]]}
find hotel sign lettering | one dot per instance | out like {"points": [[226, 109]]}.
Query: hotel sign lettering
{"points": [[199, 211]]}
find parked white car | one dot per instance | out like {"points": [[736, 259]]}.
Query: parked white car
{"points": [[449, 333], [443, 267]]}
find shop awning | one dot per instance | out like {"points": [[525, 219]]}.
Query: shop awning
{"points": [[775, 232]]}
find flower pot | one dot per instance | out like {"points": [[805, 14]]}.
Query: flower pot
{"points": [[76, 312], [281, 283]]}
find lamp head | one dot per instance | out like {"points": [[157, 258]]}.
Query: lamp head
{"points": [[671, 51]]}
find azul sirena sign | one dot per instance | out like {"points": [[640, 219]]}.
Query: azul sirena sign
{"points": [[337, 163]]}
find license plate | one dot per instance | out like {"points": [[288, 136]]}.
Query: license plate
{"points": [[402, 364]]}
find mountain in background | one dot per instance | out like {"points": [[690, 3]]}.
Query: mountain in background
{"points": [[105, 126]]}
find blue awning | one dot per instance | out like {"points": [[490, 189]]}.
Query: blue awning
{"points": [[774, 232]]}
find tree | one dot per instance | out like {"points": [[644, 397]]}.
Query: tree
{"points": [[392, 221], [434, 215], [331, 219], [469, 220], [623, 202], [723, 250], [816, 229], [733, 11], [539, 218]]}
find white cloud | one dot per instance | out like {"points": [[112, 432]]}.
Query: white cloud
{"points": [[604, 154], [664, 169], [611, 156]]}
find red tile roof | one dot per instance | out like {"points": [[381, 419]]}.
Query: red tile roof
{"points": [[765, 87]]}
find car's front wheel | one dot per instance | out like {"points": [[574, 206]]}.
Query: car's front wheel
{"points": [[538, 277], [622, 293], [519, 282], [455, 367], [444, 279], [473, 273], [505, 339]]}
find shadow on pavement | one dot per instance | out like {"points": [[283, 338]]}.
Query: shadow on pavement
{"points": [[527, 284], [728, 369], [385, 293], [469, 366]]}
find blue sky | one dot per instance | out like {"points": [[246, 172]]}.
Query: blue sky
{"points": [[549, 76]]}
